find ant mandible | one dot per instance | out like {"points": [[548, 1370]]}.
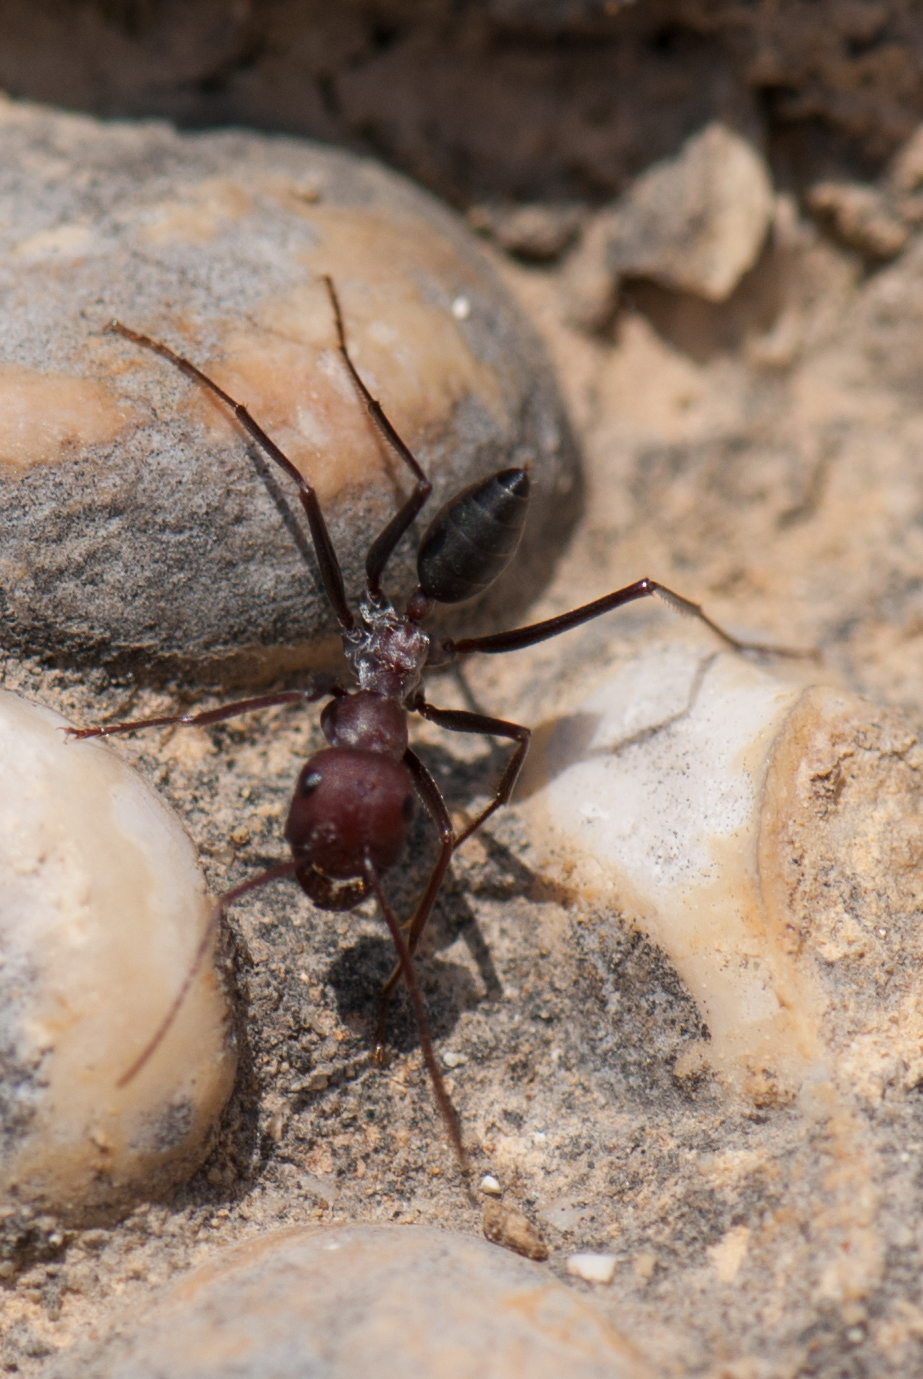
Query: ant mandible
{"points": [[354, 801]]}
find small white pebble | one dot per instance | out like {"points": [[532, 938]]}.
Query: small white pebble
{"points": [[461, 308], [489, 1185], [539, 1137], [453, 1060], [592, 1268]]}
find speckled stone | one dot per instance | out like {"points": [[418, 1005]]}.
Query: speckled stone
{"points": [[137, 526]]}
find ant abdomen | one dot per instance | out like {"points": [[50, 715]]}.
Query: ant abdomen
{"points": [[474, 537], [348, 805]]}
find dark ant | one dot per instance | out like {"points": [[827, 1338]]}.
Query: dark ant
{"points": [[354, 801]]}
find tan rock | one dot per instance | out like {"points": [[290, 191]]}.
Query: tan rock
{"points": [[696, 222], [861, 217]]}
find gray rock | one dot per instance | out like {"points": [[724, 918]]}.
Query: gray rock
{"points": [[695, 222], [137, 526], [358, 1300]]}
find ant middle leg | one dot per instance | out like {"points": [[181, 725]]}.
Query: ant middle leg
{"points": [[459, 721], [446, 1109], [519, 637], [465, 721], [435, 806]]}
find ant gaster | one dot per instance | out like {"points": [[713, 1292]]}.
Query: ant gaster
{"points": [[354, 801]]}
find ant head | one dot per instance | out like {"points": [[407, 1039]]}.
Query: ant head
{"points": [[366, 721], [471, 540], [347, 802]]}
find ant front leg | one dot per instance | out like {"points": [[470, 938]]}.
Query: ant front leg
{"points": [[464, 721], [202, 720], [382, 548], [435, 805]]}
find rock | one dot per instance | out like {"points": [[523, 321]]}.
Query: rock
{"points": [[540, 232], [592, 1268], [768, 838], [904, 174], [861, 217], [103, 906], [696, 223], [138, 528], [655, 781], [511, 1228], [387, 1300]]}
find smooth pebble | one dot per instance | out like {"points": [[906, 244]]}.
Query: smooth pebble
{"points": [[102, 908]]}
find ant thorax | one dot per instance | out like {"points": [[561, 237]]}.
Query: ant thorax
{"points": [[387, 652]]}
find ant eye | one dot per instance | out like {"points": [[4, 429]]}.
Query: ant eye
{"points": [[310, 783], [407, 808]]}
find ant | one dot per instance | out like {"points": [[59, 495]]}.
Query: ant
{"points": [[354, 800]]}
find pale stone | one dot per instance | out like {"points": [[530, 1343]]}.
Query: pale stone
{"points": [[103, 908], [592, 1268]]}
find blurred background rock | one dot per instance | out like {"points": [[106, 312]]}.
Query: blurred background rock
{"points": [[494, 99]]}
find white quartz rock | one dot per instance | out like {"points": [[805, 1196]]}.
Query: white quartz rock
{"points": [[656, 781], [102, 908], [768, 838]]}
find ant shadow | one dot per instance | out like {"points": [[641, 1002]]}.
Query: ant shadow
{"points": [[300, 538]]}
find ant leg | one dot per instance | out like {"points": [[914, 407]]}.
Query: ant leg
{"points": [[382, 548], [520, 637], [426, 1042], [201, 720], [463, 721], [330, 572], [435, 805], [221, 904]]}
